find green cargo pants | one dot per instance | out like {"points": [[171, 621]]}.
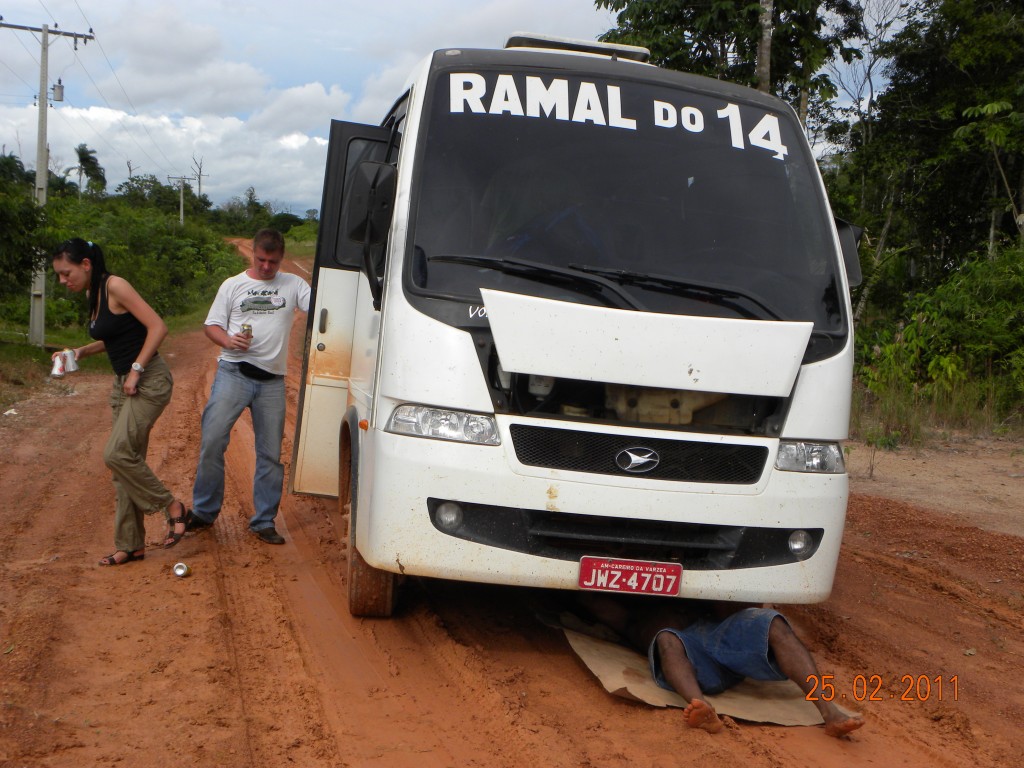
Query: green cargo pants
{"points": [[138, 490]]}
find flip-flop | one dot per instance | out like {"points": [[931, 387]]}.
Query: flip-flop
{"points": [[111, 559]]}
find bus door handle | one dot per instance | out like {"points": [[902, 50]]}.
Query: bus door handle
{"points": [[323, 320]]}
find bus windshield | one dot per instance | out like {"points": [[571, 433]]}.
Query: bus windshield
{"points": [[623, 193]]}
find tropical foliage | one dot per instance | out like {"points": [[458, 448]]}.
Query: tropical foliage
{"points": [[175, 264], [918, 112], [20, 219]]}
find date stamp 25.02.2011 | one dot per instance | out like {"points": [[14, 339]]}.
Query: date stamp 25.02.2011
{"points": [[875, 688]]}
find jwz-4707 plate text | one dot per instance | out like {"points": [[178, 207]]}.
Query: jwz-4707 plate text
{"points": [[639, 576]]}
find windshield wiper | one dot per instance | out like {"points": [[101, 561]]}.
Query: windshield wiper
{"points": [[718, 294], [535, 270]]}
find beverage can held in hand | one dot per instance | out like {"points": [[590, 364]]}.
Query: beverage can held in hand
{"points": [[70, 361], [247, 330], [57, 371]]}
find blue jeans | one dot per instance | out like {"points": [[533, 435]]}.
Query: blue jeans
{"points": [[724, 652], [231, 394]]}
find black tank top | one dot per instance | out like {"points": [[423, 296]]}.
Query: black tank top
{"points": [[122, 334]]}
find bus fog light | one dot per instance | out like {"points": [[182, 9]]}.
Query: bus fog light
{"points": [[448, 516], [800, 544]]}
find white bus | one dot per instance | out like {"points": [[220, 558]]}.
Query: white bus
{"points": [[579, 323]]}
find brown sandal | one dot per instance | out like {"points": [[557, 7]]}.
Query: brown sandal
{"points": [[172, 537], [111, 559]]}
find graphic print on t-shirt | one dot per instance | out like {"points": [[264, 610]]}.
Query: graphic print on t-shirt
{"points": [[262, 302]]}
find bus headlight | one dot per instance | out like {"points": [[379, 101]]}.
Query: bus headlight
{"points": [[810, 457], [441, 424]]}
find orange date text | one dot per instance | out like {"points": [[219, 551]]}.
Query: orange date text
{"points": [[875, 688]]}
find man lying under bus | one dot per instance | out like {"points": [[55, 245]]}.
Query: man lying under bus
{"points": [[699, 648]]}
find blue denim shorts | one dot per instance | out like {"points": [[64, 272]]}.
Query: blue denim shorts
{"points": [[724, 652]]}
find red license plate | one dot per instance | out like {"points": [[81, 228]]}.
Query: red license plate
{"points": [[639, 576]]}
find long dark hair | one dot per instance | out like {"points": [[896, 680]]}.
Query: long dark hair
{"points": [[76, 250]]}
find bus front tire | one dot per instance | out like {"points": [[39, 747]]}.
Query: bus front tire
{"points": [[371, 591]]}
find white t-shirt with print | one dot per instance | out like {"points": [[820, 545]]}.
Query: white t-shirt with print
{"points": [[269, 307]]}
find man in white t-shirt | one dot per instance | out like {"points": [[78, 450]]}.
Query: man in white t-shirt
{"points": [[251, 321]]}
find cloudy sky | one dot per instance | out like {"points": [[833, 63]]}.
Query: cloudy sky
{"points": [[246, 88]]}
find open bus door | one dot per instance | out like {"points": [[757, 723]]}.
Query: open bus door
{"points": [[327, 355]]}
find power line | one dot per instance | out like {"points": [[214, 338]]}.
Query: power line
{"points": [[120, 119], [119, 114], [117, 79]]}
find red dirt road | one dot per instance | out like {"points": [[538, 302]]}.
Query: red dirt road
{"points": [[254, 660]]}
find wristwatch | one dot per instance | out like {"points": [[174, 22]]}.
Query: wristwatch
{"points": [[138, 368]]}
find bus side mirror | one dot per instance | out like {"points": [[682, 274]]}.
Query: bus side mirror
{"points": [[371, 202], [849, 238]]}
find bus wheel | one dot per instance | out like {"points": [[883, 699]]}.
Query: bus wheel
{"points": [[371, 592]]}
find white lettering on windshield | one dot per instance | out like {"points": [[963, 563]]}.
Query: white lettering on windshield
{"points": [[602, 105], [469, 90], [477, 311], [549, 98]]}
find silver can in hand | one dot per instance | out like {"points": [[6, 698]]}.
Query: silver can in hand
{"points": [[57, 371], [70, 361], [247, 330]]}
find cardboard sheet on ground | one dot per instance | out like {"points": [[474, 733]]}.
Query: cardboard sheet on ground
{"points": [[626, 673]]}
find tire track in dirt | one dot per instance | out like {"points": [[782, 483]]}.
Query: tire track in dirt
{"points": [[396, 693], [36, 553], [259, 639]]}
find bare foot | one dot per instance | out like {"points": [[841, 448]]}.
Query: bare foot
{"points": [[841, 725], [700, 714]]}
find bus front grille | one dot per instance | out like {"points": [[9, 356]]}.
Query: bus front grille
{"points": [[690, 461]]}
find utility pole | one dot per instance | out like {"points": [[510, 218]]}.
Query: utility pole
{"points": [[181, 189], [197, 166], [37, 307]]}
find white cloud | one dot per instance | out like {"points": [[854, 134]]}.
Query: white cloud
{"points": [[300, 109], [248, 88]]}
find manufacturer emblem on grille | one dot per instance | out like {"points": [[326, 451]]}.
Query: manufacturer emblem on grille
{"points": [[637, 460]]}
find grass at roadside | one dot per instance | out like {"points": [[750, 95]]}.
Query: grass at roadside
{"points": [[303, 250], [905, 416], [25, 368]]}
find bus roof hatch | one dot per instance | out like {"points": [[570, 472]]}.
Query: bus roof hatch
{"points": [[612, 50]]}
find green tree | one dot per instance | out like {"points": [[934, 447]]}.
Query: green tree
{"points": [[284, 221], [254, 208], [951, 117], [146, 189], [242, 215], [720, 39], [12, 172], [96, 177], [717, 39], [20, 219]]}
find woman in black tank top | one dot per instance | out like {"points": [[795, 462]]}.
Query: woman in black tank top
{"points": [[129, 331]]}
